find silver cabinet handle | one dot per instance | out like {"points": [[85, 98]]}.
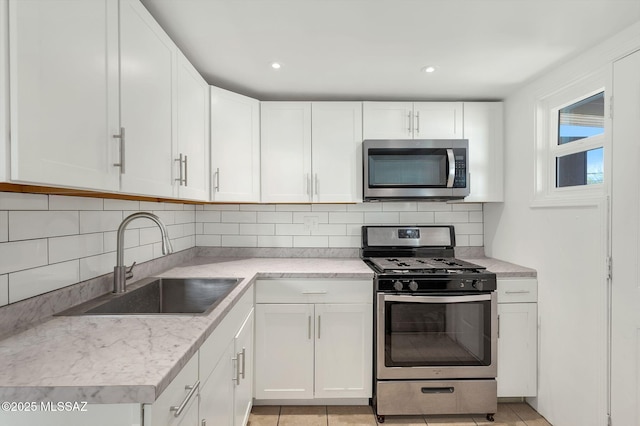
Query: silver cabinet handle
{"points": [[410, 118], [182, 179], [498, 326], [452, 168], [236, 379], [216, 177], [192, 391], [122, 156], [314, 292], [309, 327], [517, 291], [418, 123], [244, 363], [186, 171], [315, 178], [319, 322], [204, 422], [308, 179]]}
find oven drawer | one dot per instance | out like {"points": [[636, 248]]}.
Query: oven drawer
{"points": [[436, 397], [314, 290], [517, 290]]}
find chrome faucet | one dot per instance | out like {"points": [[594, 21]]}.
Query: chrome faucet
{"points": [[120, 273]]}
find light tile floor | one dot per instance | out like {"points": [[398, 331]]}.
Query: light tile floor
{"points": [[509, 414]]}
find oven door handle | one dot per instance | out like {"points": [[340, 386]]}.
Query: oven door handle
{"points": [[436, 299]]}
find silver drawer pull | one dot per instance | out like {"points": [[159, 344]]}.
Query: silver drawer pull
{"points": [[192, 391], [314, 292], [517, 291]]}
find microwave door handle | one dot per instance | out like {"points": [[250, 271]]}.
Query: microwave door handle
{"points": [[452, 168]]}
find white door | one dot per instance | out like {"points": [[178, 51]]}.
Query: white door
{"points": [[343, 350], [193, 132], [147, 67], [336, 152], [235, 147], [216, 392], [64, 93], [517, 349], [284, 351], [437, 120], [243, 397], [625, 228], [286, 151], [387, 120]]}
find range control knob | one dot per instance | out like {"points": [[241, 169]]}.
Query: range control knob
{"points": [[398, 285], [474, 284], [413, 286]]}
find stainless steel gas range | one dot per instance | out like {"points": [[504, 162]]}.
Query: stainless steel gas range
{"points": [[435, 324]]}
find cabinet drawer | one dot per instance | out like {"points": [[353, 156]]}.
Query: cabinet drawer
{"points": [[314, 291], [517, 290], [159, 413], [213, 348]]}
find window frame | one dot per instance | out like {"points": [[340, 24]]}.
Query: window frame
{"points": [[548, 150]]}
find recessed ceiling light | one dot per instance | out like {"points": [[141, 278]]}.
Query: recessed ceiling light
{"points": [[275, 65], [429, 69]]}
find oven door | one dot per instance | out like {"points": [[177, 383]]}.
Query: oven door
{"points": [[443, 336]]}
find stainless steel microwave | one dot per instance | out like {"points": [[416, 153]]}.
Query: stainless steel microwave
{"points": [[415, 169]]}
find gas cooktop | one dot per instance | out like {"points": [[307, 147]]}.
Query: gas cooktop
{"points": [[425, 265]]}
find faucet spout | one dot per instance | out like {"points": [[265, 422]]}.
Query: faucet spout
{"points": [[120, 270]]}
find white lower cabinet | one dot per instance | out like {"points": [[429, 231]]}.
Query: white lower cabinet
{"points": [[518, 337], [316, 343]]}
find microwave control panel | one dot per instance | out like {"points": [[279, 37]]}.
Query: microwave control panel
{"points": [[460, 179]]}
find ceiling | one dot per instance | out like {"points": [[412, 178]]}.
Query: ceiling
{"points": [[376, 49]]}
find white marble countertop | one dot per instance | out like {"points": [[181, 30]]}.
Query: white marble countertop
{"points": [[132, 359]]}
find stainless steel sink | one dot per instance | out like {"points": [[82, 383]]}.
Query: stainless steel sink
{"points": [[161, 296]]}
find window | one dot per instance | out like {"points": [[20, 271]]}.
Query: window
{"points": [[571, 143]]}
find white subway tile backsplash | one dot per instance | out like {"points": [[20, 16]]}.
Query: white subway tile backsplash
{"points": [[175, 231], [25, 225], [476, 217], [275, 241], [310, 241], [75, 247], [257, 229], [399, 207], [149, 235], [99, 221], [451, 217], [179, 244], [32, 282], [326, 229], [131, 239], [20, 201], [222, 207], [382, 218], [208, 240], [138, 254], [4, 290], [476, 240], [222, 228], [292, 229], [149, 206], [62, 202], [207, 216], [329, 207], [416, 218], [19, 255], [94, 266], [462, 240], [186, 216], [466, 207], [293, 207], [350, 241], [188, 207], [340, 217], [4, 226], [469, 228], [275, 217], [239, 241], [111, 204], [319, 217], [365, 207], [434, 207], [239, 217], [258, 207], [168, 217], [354, 229]]}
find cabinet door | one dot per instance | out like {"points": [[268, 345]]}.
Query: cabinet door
{"points": [[243, 343], [284, 351], [193, 132], [343, 350], [336, 140], [437, 120], [147, 68], [4, 91], [216, 394], [517, 349], [64, 92], [387, 120], [483, 126], [235, 147], [286, 151]]}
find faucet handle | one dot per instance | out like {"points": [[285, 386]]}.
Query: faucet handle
{"points": [[129, 273]]}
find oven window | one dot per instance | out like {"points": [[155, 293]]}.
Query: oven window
{"points": [[437, 334], [408, 168]]}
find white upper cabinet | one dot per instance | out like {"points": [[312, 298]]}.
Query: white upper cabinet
{"points": [[412, 120], [235, 147], [305, 162], [285, 137], [483, 127], [4, 92], [64, 92], [147, 67], [192, 163], [336, 153]]}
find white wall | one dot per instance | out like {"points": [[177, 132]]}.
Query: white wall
{"points": [[567, 246], [48, 241]]}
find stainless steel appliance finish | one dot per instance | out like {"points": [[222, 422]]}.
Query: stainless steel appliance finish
{"points": [[436, 324], [415, 169]]}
